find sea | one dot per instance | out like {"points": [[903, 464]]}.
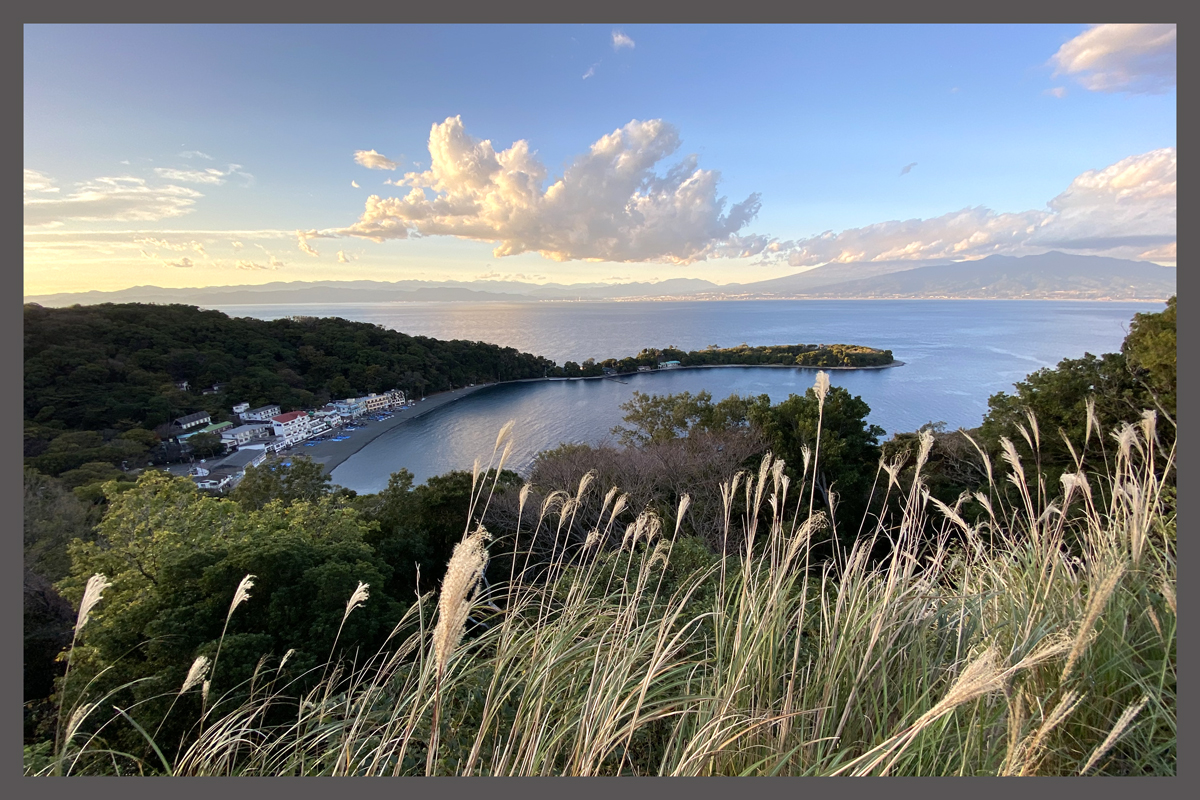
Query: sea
{"points": [[956, 354]]}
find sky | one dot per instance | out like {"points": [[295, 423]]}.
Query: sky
{"points": [[211, 155]]}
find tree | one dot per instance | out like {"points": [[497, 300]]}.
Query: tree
{"points": [[849, 445], [659, 418], [205, 445], [303, 479], [1150, 350]]}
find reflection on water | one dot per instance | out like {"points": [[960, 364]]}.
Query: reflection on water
{"points": [[956, 352]]}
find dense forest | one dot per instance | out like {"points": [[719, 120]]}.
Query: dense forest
{"points": [[100, 379], [648, 559]]}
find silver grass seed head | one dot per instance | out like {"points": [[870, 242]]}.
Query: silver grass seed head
{"points": [[505, 430], [286, 656], [241, 595], [196, 674], [821, 388], [357, 599], [77, 717], [584, 482], [523, 496], [459, 588], [91, 596]]}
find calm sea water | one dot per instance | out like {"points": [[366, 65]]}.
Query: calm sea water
{"points": [[956, 354]]}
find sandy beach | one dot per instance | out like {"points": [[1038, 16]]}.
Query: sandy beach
{"points": [[329, 453]]}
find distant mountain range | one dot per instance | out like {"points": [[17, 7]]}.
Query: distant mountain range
{"points": [[1048, 276]]}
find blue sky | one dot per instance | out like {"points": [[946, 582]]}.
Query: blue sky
{"points": [[152, 146]]}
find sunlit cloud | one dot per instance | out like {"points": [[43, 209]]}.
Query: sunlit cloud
{"points": [[355, 184], [373, 160], [610, 204], [112, 198], [38, 182], [195, 154], [236, 245], [620, 39], [254, 265], [1126, 210], [302, 242], [1138, 59], [342, 258], [185, 263], [214, 177]]}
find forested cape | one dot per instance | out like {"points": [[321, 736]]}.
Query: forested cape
{"points": [[116, 367]]}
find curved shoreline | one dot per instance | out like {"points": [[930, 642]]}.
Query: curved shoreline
{"points": [[330, 455]]}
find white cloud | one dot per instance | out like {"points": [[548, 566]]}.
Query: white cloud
{"points": [[591, 71], [253, 265], [195, 154], [355, 184], [119, 198], [609, 205], [214, 177], [1126, 210], [237, 245], [183, 262], [302, 242], [620, 39], [1058, 91], [1139, 59], [373, 160], [341, 257], [38, 182]]}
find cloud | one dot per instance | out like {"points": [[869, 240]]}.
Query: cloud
{"points": [[620, 39], [185, 263], [1126, 210], [341, 257], [302, 242], [1058, 91], [237, 245], [610, 204], [38, 182], [908, 168], [254, 265], [591, 71], [355, 184], [214, 177], [373, 160], [1137, 59], [119, 198], [195, 154]]}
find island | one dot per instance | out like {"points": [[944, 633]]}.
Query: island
{"points": [[817, 356]]}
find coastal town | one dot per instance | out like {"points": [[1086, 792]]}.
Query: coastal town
{"points": [[253, 434]]}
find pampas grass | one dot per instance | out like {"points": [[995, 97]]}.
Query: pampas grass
{"points": [[1035, 637]]}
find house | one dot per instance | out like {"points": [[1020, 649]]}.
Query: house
{"points": [[227, 473], [644, 369], [244, 434], [240, 408], [324, 419], [181, 385], [669, 364], [262, 413], [350, 408], [292, 427], [190, 421], [218, 478], [216, 388]]}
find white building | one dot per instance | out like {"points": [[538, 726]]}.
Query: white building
{"points": [[292, 427], [350, 408], [240, 408], [244, 434], [262, 413]]}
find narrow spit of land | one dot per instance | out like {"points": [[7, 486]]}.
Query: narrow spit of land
{"points": [[330, 454]]}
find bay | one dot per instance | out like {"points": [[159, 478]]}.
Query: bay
{"points": [[956, 354]]}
